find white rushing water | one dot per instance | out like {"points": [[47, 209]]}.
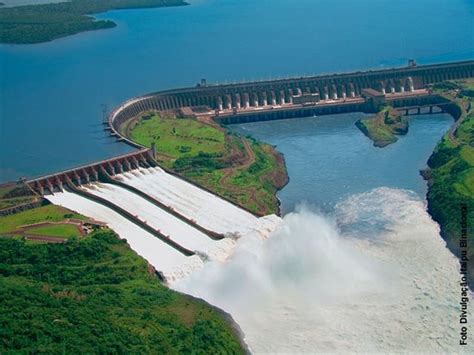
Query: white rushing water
{"points": [[206, 209], [178, 231], [374, 277], [193, 203], [378, 280], [171, 263]]}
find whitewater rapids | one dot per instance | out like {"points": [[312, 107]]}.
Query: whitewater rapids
{"points": [[375, 277]]}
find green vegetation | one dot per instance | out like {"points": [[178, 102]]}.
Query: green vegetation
{"points": [[49, 213], [253, 185], [383, 127], [46, 22], [451, 173], [56, 230], [95, 295], [239, 169], [178, 138], [13, 195], [10, 202]]}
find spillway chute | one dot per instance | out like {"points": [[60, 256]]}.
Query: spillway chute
{"points": [[173, 224], [172, 264]]}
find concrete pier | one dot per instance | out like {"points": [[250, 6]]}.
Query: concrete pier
{"points": [[282, 97], [237, 101], [246, 101]]}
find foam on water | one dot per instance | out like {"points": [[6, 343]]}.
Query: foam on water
{"points": [[376, 277]]}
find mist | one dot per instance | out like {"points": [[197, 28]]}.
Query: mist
{"points": [[374, 276]]}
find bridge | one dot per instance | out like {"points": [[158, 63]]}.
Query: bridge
{"points": [[295, 97]]}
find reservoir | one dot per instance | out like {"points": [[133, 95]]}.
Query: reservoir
{"points": [[51, 94]]}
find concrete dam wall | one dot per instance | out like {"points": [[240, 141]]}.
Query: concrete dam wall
{"points": [[335, 93]]}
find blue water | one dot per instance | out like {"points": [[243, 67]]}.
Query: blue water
{"points": [[51, 94], [329, 159]]}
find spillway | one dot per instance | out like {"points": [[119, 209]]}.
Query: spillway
{"points": [[170, 262], [208, 210], [177, 230], [145, 224]]}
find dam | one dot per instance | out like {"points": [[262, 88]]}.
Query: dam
{"points": [[177, 225], [296, 97]]}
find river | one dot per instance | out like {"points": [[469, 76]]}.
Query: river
{"points": [[328, 158], [357, 264]]}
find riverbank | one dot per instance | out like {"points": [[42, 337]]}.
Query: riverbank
{"points": [[451, 176], [39, 238], [46, 22]]}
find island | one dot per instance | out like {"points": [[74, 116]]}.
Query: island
{"points": [[450, 172], [383, 128], [46, 22]]}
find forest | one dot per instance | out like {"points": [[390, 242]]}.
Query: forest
{"points": [[95, 295], [46, 22]]}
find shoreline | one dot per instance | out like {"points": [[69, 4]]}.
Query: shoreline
{"points": [[64, 19], [446, 168], [228, 318]]}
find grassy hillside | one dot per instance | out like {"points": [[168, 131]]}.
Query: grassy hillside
{"points": [[12, 195], [95, 295], [240, 169], [176, 138], [451, 174], [46, 22], [49, 213], [384, 126]]}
